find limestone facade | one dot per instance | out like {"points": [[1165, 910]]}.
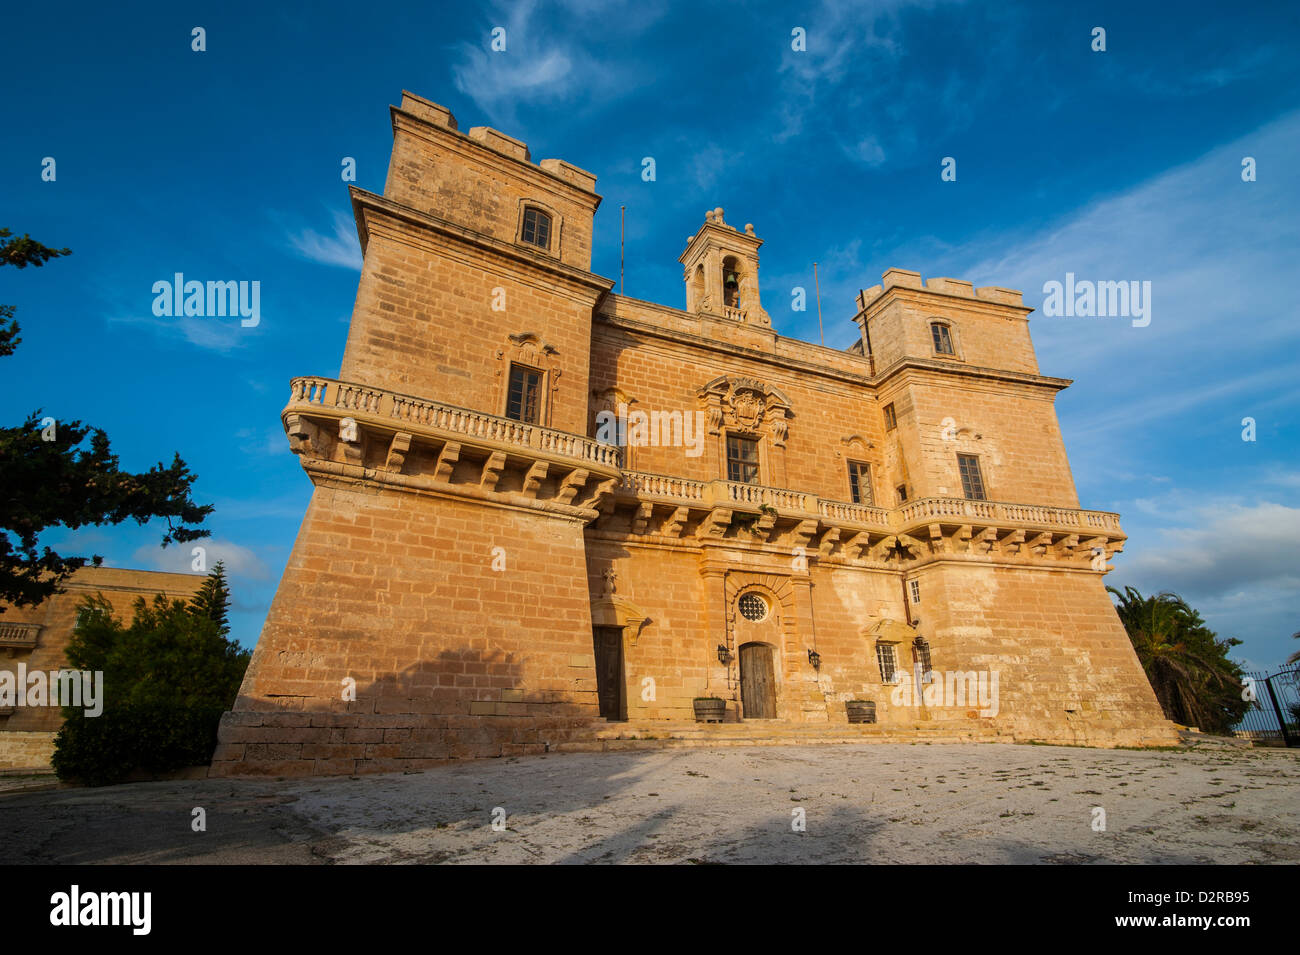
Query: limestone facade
{"points": [[541, 509]]}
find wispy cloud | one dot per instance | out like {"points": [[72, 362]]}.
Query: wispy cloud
{"points": [[549, 60], [852, 67], [214, 334], [341, 249]]}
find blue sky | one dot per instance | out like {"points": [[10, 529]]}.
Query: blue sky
{"points": [[1125, 164]]}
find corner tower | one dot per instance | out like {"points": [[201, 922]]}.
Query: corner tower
{"points": [[439, 576]]}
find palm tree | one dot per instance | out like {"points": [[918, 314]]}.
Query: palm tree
{"points": [[1195, 682], [1295, 657]]}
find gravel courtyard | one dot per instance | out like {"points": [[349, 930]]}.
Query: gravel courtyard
{"points": [[982, 803]]}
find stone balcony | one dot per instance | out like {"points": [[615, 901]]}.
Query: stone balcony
{"points": [[403, 413], [342, 429], [18, 637], [727, 510]]}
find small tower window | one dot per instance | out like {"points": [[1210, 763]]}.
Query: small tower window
{"points": [[942, 338], [860, 482], [537, 228], [915, 587], [902, 493], [524, 400], [972, 481], [891, 417]]}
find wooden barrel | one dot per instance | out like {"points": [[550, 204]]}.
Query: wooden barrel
{"points": [[861, 711], [710, 710]]}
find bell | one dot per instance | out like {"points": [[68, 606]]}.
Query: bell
{"points": [[732, 279]]}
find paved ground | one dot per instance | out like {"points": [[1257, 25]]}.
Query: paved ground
{"points": [[987, 803]]}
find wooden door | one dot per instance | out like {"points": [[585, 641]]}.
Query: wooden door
{"points": [[611, 686], [757, 682]]}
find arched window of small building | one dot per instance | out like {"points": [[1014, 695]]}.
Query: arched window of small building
{"points": [[536, 228], [942, 335]]}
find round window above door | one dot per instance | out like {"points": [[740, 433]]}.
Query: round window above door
{"points": [[752, 607]]}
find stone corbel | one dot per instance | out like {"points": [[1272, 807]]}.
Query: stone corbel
{"points": [[642, 517], [1013, 539], [1039, 545], [677, 522], [779, 427], [350, 440], [804, 533], [961, 539], [571, 485], [1064, 548], [710, 399], [447, 458], [603, 499], [880, 550], [533, 479], [827, 543], [716, 523], [913, 546], [938, 545], [855, 545], [492, 469], [984, 541], [300, 431], [397, 450]]}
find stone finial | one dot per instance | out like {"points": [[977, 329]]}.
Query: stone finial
{"points": [[717, 215], [749, 228]]}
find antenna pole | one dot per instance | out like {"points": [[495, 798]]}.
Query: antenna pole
{"points": [[818, 287], [622, 228]]}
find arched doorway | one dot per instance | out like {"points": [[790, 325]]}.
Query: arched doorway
{"points": [[758, 681]]}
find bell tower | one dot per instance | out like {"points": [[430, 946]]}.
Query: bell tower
{"points": [[720, 268]]}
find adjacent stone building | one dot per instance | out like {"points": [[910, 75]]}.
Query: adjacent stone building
{"points": [[546, 515], [37, 637]]}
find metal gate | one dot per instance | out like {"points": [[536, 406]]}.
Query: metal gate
{"points": [[1274, 714]]}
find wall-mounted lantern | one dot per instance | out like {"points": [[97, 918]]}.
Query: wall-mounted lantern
{"points": [[815, 659], [724, 655]]}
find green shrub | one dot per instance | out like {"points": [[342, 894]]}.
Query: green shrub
{"points": [[156, 738], [168, 677]]}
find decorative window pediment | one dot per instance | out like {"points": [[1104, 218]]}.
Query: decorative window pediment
{"points": [[746, 404], [530, 350]]}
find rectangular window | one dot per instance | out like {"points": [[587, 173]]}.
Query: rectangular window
{"points": [[524, 401], [942, 339], [902, 493], [891, 419], [742, 459], [860, 482], [972, 482], [888, 661], [915, 587], [537, 228]]}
